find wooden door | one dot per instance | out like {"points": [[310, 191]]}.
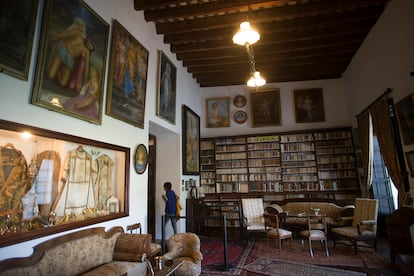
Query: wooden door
{"points": [[151, 185]]}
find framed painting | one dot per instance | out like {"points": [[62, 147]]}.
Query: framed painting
{"points": [[71, 62], [405, 115], [16, 31], [218, 112], [43, 197], [190, 141], [140, 159], [265, 106], [127, 80], [167, 78], [309, 106]]}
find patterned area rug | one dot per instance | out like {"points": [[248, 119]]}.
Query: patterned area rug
{"points": [[242, 253], [276, 267]]}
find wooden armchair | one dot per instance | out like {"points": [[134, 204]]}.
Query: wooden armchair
{"points": [[253, 211], [364, 224], [274, 231]]}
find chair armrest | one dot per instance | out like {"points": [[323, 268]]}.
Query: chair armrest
{"points": [[197, 256], [170, 255], [367, 222]]}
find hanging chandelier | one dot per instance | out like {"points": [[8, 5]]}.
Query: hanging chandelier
{"points": [[247, 36]]}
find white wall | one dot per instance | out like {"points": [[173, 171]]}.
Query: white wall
{"points": [[336, 110], [384, 60], [14, 106]]}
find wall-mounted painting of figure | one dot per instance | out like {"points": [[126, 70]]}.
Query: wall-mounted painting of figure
{"points": [[70, 70]]}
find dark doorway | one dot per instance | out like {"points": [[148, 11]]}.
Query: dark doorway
{"points": [[152, 142]]}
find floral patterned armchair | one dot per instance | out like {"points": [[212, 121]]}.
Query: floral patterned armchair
{"points": [[186, 247]]}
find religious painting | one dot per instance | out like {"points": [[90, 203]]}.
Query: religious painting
{"points": [[140, 158], [405, 114], [70, 68], [218, 112], [17, 26], [265, 106], [58, 182], [190, 141], [127, 80], [167, 78], [309, 106]]}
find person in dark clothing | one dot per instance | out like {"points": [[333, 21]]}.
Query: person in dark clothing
{"points": [[170, 199]]}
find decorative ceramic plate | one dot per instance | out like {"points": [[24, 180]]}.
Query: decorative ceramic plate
{"points": [[240, 117], [239, 101]]}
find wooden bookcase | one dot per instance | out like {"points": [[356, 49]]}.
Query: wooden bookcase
{"points": [[207, 167], [231, 165], [281, 166], [264, 168]]}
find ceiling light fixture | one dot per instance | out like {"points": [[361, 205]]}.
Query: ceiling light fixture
{"points": [[247, 36]]}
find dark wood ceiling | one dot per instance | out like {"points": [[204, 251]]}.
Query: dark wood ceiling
{"points": [[300, 40]]}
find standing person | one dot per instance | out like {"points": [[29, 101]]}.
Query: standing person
{"points": [[170, 199]]}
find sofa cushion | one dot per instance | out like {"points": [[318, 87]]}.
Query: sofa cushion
{"points": [[116, 268], [132, 247]]}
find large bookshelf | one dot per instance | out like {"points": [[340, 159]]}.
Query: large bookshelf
{"points": [[281, 166]]}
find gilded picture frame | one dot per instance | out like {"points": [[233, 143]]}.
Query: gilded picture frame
{"points": [[265, 108], [218, 112], [17, 31], [127, 79], [140, 159], [41, 197], [167, 83], [309, 105], [405, 115], [70, 69], [190, 141]]}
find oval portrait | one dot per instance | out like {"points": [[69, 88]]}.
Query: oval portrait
{"points": [[239, 101], [140, 159], [240, 117]]}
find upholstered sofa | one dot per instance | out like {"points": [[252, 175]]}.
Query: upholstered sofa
{"points": [[294, 213], [87, 252]]}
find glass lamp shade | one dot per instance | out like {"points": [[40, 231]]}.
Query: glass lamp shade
{"points": [[246, 35], [256, 80]]}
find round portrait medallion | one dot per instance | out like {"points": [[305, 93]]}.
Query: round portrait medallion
{"points": [[240, 117], [140, 159], [239, 101]]}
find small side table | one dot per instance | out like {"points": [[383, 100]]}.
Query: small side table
{"points": [[169, 267]]}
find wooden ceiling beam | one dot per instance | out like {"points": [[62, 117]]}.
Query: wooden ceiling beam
{"points": [[265, 15], [293, 46], [151, 4], [273, 61], [211, 8], [290, 69], [307, 55], [354, 17], [274, 79], [338, 32]]}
